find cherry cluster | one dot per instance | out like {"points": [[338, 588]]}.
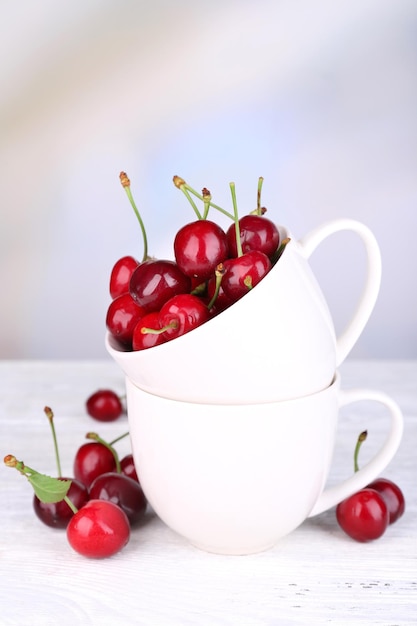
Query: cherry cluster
{"points": [[99, 505], [156, 300], [366, 514]]}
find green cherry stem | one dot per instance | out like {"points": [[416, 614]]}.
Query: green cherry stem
{"points": [[49, 414], [96, 437], [111, 443], [126, 185], [258, 195], [219, 272], [236, 220], [181, 184], [206, 200], [362, 437]]}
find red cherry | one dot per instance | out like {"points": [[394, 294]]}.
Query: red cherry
{"points": [[364, 515], [199, 247], [120, 275], [122, 316], [127, 466], [243, 273], [143, 340], [91, 460], [99, 529], [154, 282], [181, 314], [256, 233], [58, 514], [123, 491], [104, 405], [393, 496]]}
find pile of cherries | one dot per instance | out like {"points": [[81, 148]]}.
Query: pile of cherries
{"points": [[366, 514], [156, 300], [100, 504]]}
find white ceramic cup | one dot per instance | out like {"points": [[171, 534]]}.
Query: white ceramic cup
{"points": [[277, 342], [234, 479]]}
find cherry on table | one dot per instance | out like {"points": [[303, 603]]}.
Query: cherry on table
{"points": [[121, 490], [104, 405], [127, 467], [393, 496], [92, 459], [58, 514], [364, 515], [99, 529]]}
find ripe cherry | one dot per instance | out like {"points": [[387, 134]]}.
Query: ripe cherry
{"points": [[243, 273], [199, 247], [58, 514], [364, 515], [99, 529], [127, 467], [392, 495], [104, 405], [91, 460], [120, 275], [143, 340], [122, 316], [121, 490], [256, 233], [156, 281]]}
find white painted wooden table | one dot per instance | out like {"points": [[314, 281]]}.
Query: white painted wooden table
{"points": [[316, 575]]}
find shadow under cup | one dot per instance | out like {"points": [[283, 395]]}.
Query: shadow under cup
{"points": [[234, 479]]}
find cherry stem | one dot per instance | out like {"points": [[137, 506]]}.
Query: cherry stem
{"points": [[71, 505], [236, 220], [126, 185], [219, 272], [180, 183], [159, 331], [206, 199], [96, 437], [258, 196], [49, 414], [118, 438], [359, 442], [280, 250]]}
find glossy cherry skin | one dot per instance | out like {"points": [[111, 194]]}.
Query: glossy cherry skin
{"points": [[393, 496], [91, 460], [364, 515], [127, 466], [181, 314], [104, 405], [256, 233], [58, 514], [156, 281], [199, 247], [122, 316], [123, 491], [120, 275], [143, 340], [243, 273], [99, 529]]}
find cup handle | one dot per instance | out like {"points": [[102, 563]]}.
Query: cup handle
{"points": [[353, 330], [333, 495]]}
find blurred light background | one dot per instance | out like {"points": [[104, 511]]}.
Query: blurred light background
{"points": [[320, 98]]}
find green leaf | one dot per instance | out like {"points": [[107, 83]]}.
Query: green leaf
{"points": [[49, 489]]}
